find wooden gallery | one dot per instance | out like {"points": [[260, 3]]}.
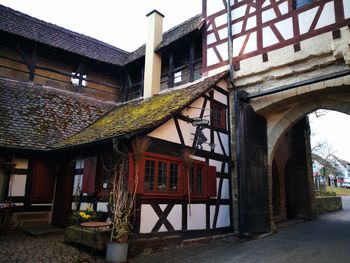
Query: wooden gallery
{"points": [[71, 107]]}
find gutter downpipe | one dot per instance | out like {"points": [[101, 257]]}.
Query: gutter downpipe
{"points": [[235, 197]]}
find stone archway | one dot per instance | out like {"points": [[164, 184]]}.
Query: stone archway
{"points": [[282, 116]]}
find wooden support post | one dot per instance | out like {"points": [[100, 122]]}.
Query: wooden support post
{"points": [[33, 64], [142, 80], [191, 63], [171, 71], [81, 70], [30, 64]]}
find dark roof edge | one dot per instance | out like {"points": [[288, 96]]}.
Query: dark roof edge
{"points": [[62, 29]]}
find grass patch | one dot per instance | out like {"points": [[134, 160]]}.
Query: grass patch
{"points": [[338, 190]]}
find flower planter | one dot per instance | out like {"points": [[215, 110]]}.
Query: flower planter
{"points": [[117, 252]]}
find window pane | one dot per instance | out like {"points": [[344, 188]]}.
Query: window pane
{"points": [[192, 179], [162, 171], [199, 185], [149, 175], [301, 3], [173, 177]]}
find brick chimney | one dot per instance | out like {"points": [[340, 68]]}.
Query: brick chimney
{"points": [[153, 61]]}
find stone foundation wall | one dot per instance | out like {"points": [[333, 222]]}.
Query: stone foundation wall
{"points": [[328, 204]]}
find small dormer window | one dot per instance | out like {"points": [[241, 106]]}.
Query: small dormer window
{"points": [[75, 79], [178, 77], [301, 3]]}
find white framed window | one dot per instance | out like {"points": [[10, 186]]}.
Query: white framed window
{"points": [[75, 79], [178, 76]]}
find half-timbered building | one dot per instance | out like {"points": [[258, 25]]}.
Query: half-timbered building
{"points": [[233, 85], [68, 100]]}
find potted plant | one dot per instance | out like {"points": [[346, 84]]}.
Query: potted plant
{"points": [[122, 200]]}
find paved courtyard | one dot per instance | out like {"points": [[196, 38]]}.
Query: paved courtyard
{"points": [[324, 240], [20, 247]]}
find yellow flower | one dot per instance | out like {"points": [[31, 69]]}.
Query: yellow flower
{"points": [[82, 214]]}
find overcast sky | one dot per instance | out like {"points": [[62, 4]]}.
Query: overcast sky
{"points": [[122, 23]]}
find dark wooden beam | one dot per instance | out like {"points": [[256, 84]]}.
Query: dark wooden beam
{"points": [[171, 71], [191, 63]]}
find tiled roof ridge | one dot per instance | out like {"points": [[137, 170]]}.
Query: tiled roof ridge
{"points": [[62, 29], [60, 91], [169, 31], [182, 24]]}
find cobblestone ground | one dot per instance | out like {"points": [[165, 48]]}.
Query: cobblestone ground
{"points": [[20, 247]]}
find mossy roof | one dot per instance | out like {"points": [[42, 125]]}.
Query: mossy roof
{"points": [[138, 116], [35, 117]]}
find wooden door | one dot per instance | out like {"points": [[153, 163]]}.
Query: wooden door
{"points": [[252, 171], [63, 195]]}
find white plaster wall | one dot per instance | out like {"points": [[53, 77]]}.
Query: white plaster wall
{"points": [[79, 164], [196, 110], [166, 132], [17, 185], [220, 97], [285, 27], [218, 148], [218, 164], [211, 57], [269, 37], [187, 130], [196, 218], [251, 44], [346, 4], [225, 142], [223, 216], [225, 192], [237, 12], [148, 219], [84, 206], [214, 6], [327, 16], [102, 207], [305, 20], [174, 217]]}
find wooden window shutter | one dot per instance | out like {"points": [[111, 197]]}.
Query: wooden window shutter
{"points": [[211, 181], [89, 175], [43, 181]]}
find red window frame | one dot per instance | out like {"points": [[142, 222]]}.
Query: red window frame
{"points": [[157, 159], [198, 170], [218, 115], [208, 179]]}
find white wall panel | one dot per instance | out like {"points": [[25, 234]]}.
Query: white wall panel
{"points": [[346, 4], [269, 37], [211, 57], [17, 185], [268, 15], [305, 20], [148, 219], [175, 217], [285, 27], [225, 191], [252, 44], [102, 207], [166, 132], [214, 6], [327, 16], [197, 219]]}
